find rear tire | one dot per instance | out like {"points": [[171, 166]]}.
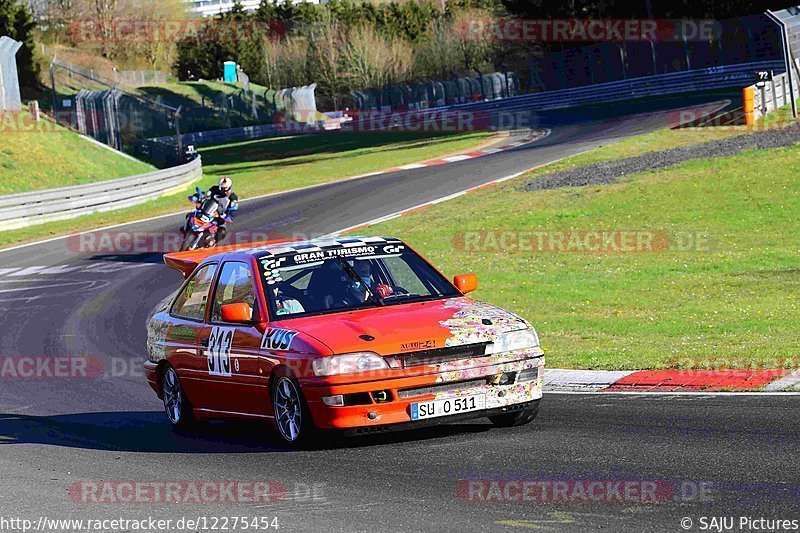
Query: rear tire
{"points": [[518, 418], [176, 403], [292, 417]]}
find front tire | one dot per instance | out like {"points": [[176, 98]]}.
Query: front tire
{"points": [[517, 418], [292, 417], [190, 241], [176, 403]]}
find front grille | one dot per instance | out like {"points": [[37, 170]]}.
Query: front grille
{"points": [[455, 385], [442, 355]]}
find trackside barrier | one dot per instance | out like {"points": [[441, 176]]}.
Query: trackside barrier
{"points": [[707, 79], [29, 208], [768, 95]]}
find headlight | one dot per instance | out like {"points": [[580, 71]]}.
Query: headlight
{"points": [[348, 363], [516, 340]]}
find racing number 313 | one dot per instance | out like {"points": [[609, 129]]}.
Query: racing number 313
{"points": [[219, 351]]}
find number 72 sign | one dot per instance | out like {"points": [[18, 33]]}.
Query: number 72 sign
{"points": [[218, 353], [763, 76]]}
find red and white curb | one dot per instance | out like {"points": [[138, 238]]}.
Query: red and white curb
{"points": [[556, 379], [531, 137]]}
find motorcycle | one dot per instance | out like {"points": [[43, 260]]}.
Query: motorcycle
{"points": [[202, 224]]}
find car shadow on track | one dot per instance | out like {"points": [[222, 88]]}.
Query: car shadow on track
{"points": [[149, 432]]}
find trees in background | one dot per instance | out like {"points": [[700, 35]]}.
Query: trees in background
{"points": [[132, 33], [16, 22], [345, 44]]}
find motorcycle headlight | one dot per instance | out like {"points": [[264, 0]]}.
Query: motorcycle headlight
{"points": [[348, 363], [516, 340]]}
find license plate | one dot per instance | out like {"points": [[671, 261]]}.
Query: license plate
{"points": [[450, 406]]}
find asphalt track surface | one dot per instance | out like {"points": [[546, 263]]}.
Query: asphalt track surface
{"points": [[707, 455]]}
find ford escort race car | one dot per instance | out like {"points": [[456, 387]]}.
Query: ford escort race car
{"points": [[356, 333]]}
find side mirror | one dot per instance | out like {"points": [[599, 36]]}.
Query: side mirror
{"points": [[466, 283], [240, 313]]}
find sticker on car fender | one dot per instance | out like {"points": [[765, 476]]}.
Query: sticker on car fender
{"points": [[218, 353], [448, 406], [278, 339]]}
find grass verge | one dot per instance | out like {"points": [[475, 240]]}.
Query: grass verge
{"points": [[722, 293], [57, 157]]}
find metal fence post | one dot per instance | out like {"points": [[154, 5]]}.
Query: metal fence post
{"points": [[9, 79], [178, 140]]}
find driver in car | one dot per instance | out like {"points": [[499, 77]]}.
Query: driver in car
{"points": [[286, 305], [363, 269]]}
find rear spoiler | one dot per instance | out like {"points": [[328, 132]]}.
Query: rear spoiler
{"points": [[186, 262]]}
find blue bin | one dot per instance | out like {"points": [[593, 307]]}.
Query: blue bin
{"points": [[229, 72]]}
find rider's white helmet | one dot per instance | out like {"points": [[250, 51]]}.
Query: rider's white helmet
{"points": [[225, 184]]}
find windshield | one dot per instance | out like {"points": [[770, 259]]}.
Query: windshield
{"points": [[335, 283], [209, 207]]}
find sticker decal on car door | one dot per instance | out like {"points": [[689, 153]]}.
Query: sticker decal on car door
{"points": [[218, 353]]}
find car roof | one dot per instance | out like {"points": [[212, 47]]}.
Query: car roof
{"points": [[320, 245], [347, 246]]}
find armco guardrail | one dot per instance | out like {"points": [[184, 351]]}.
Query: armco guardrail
{"points": [[29, 208], [706, 79]]}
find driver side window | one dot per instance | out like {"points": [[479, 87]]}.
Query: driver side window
{"points": [[235, 286], [191, 302]]}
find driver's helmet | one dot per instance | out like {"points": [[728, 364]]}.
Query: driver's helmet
{"points": [[225, 185], [364, 271]]}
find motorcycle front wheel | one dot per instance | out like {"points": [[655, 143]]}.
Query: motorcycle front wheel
{"points": [[190, 241]]}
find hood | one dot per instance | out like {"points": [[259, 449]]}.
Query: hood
{"points": [[411, 327]]}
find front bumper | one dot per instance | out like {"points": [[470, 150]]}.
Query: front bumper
{"points": [[450, 381]]}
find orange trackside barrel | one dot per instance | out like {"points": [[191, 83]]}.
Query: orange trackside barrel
{"points": [[749, 96]]}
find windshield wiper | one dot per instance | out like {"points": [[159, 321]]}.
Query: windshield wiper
{"points": [[356, 278]]}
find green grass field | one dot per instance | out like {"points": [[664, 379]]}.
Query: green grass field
{"points": [[728, 299], [260, 167], [271, 165], [193, 93], [57, 157]]}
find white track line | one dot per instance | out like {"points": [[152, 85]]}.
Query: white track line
{"points": [[396, 214]]}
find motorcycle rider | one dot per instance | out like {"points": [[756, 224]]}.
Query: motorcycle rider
{"points": [[227, 200]]}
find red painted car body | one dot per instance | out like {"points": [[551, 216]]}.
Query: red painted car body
{"points": [[470, 358]]}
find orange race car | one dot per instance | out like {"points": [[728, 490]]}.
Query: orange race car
{"points": [[353, 333]]}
